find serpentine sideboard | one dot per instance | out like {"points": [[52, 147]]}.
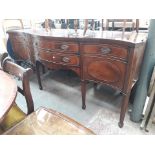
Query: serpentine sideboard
{"points": [[110, 57]]}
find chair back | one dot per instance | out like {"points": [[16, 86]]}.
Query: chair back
{"points": [[23, 74]]}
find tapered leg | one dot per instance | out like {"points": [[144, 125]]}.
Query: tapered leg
{"points": [[95, 85], [38, 74], [43, 69], [124, 107], [83, 91]]}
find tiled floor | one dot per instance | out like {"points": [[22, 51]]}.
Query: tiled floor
{"points": [[62, 93]]}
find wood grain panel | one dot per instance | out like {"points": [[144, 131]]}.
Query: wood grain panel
{"points": [[109, 71], [57, 46], [105, 49]]}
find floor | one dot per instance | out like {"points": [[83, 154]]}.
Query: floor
{"points": [[61, 92]]}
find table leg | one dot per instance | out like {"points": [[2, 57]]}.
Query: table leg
{"points": [[83, 91], [124, 107], [38, 74]]}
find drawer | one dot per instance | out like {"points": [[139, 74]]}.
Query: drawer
{"points": [[108, 71], [58, 46], [63, 59], [104, 49]]}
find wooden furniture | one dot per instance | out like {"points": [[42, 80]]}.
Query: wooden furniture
{"points": [[7, 93], [109, 57], [48, 122], [134, 25], [10, 112]]}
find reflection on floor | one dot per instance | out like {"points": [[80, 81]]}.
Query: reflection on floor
{"points": [[62, 93]]}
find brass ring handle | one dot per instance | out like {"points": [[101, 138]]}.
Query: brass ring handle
{"points": [[64, 47], [66, 59], [105, 50]]}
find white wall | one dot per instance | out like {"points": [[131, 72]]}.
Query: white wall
{"points": [[2, 38]]}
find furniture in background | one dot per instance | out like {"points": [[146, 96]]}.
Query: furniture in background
{"points": [[150, 107], [48, 122], [13, 114], [42, 121], [123, 24], [112, 58], [11, 24]]}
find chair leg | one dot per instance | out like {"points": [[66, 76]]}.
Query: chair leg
{"points": [[38, 63], [83, 91]]}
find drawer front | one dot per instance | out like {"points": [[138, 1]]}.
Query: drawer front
{"points": [[108, 71], [66, 59], [63, 59], [105, 49], [58, 46]]}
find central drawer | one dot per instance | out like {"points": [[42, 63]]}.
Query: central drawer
{"points": [[105, 50], [58, 58], [67, 47]]}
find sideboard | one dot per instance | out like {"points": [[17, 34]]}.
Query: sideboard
{"points": [[112, 58]]}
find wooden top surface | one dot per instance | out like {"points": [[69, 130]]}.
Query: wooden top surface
{"points": [[48, 122], [129, 37], [8, 91]]}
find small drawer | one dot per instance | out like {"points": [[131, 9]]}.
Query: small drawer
{"points": [[58, 46], [104, 49], [66, 59]]}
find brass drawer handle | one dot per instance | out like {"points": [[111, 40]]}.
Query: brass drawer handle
{"points": [[66, 59], [105, 50], [64, 47]]}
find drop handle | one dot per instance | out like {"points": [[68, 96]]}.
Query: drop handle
{"points": [[66, 59], [105, 50], [64, 47]]}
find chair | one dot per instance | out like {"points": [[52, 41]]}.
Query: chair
{"points": [[116, 24], [15, 114], [11, 24]]}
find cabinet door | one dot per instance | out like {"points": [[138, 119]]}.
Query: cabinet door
{"points": [[105, 70], [20, 47]]}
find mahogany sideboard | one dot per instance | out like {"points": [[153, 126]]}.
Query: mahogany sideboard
{"points": [[112, 58]]}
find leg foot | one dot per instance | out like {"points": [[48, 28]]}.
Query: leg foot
{"points": [[120, 124], [83, 107]]}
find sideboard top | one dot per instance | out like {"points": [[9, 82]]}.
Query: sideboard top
{"points": [[130, 37]]}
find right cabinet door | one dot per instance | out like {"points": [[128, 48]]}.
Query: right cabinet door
{"points": [[106, 70]]}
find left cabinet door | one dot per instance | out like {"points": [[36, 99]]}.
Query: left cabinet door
{"points": [[19, 46]]}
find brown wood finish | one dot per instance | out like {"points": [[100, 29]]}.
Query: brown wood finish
{"points": [[102, 69], [48, 122], [16, 70], [57, 46], [109, 57], [8, 91], [19, 43], [105, 50]]}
